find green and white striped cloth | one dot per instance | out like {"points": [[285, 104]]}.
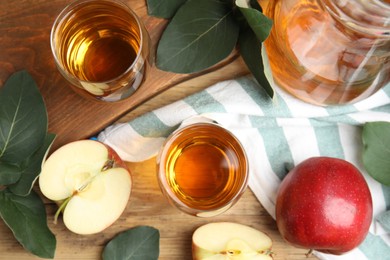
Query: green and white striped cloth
{"points": [[276, 134]]}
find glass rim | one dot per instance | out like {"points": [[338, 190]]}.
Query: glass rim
{"points": [[64, 13], [165, 187]]}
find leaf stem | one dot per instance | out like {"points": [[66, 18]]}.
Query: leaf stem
{"points": [[61, 208]]}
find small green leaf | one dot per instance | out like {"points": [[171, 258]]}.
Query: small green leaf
{"points": [[254, 29], [139, 243], [260, 24], [31, 168], [201, 34], [376, 150], [9, 173], [164, 9], [23, 118], [26, 217], [250, 50]]}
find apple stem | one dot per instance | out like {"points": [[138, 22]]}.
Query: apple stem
{"points": [[267, 252], [61, 208], [308, 254], [108, 165]]}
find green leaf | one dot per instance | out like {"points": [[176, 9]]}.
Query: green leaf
{"points": [[254, 29], [9, 173], [31, 168], [376, 150], [259, 23], [164, 9], [139, 243], [201, 34], [23, 118], [250, 50], [26, 217]]}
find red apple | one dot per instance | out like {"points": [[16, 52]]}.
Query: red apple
{"points": [[324, 204], [90, 182]]}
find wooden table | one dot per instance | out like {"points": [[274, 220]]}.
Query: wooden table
{"points": [[147, 206], [24, 44]]}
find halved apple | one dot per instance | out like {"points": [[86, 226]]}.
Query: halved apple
{"points": [[90, 182], [226, 240]]}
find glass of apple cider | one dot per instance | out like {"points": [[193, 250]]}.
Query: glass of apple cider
{"points": [[102, 48], [202, 169]]}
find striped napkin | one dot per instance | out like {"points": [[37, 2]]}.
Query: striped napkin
{"points": [[276, 134]]}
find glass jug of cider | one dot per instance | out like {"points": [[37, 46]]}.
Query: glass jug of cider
{"points": [[329, 52]]}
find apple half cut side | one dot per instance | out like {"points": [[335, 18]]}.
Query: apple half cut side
{"points": [[90, 182], [227, 240]]}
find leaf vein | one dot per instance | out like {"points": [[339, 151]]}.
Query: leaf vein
{"points": [[7, 139], [199, 37]]}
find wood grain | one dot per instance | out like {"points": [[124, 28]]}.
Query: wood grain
{"points": [[147, 206], [25, 45]]}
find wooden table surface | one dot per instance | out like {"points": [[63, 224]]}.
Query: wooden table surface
{"points": [[24, 29], [147, 206]]}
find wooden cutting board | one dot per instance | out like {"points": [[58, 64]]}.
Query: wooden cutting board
{"points": [[25, 45]]}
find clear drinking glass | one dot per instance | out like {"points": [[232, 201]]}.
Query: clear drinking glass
{"points": [[101, 47], [330, 52], [202, 169]]}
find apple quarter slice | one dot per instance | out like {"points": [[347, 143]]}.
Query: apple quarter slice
{"points": [[91, 183], [226, 240], [100, 204]]}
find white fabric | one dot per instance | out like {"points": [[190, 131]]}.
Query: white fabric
{"points": [[276, 134]]}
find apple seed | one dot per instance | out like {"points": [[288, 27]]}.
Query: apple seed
{"points": [[108, 165]]}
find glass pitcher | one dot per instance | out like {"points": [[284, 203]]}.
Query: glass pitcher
{"points": [[330, 52]]}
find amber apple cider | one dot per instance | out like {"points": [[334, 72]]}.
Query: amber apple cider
{"points": [[316, 58], [98, 41], [204, 166]]}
